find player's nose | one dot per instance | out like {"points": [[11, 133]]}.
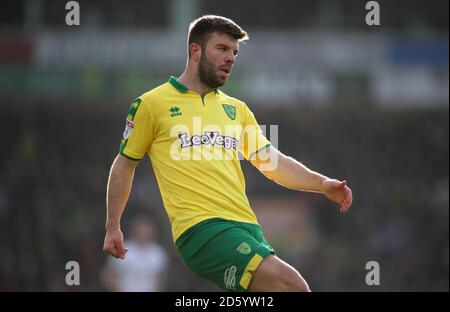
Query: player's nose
{"points": [[230, 59]]}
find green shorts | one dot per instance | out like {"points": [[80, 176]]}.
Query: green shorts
{"points": [[223, 251]]}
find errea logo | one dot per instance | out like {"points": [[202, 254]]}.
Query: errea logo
{"points": [[174, 111]]}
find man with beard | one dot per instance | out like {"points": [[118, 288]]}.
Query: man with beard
{"points": [[198, 170]]}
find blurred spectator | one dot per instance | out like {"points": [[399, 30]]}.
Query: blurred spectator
{"points": [[146, 263]]}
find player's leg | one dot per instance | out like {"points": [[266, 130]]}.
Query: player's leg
{"points": [[224, 252], [273, 274]]}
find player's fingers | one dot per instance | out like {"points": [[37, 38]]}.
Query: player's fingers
{"points": [[111, 250], [348, 201], [344, 194], [115, 252], [349, 197], [344, 207], [344, 204], [121, 249]]}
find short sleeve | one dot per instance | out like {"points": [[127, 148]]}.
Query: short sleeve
{"points": [[252, 138], [138, 135]]}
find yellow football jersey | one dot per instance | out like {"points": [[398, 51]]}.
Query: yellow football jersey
{"points": [[194, 144]]}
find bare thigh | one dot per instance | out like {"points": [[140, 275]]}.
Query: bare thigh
{"points": [[274, 274]]}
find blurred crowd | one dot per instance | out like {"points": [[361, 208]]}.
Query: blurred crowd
{"points": [[368, 104], [54, 166]]}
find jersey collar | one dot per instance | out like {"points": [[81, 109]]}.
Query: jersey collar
{"points": [[182, 88], [179, 86]]}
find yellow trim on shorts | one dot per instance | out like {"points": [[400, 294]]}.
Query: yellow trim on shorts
{"points": [[251, 267]]}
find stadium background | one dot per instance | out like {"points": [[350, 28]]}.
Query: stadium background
{"points": [[364, 103]]}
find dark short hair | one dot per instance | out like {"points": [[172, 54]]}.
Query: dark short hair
{"points": [[201, 29]]}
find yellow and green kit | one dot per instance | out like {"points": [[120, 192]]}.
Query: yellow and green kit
{"points": [[194, 143]]}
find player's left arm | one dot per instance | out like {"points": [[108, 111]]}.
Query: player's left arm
{"points": [[292, 174]]}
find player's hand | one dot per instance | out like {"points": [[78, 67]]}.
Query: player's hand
{"points": [[339, 192], [114, 245]]}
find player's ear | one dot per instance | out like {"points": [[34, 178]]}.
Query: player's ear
{"points": [[195, 51]]}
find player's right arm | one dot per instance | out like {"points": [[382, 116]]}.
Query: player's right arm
{"points": [[118, 191], [135, 143]]}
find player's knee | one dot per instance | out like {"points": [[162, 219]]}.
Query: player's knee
{"points": [[293, 281]]}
